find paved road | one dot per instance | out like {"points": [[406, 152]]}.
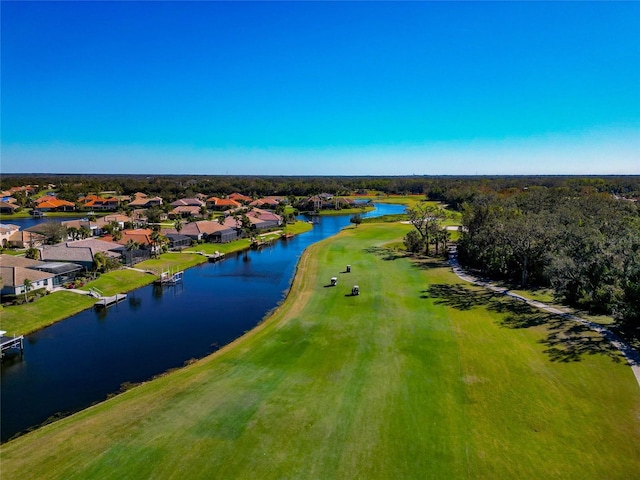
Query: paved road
{"points": [[629, 353]]}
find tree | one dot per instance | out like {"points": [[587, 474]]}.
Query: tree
{"points": [[54, 231], [426, 219], [84, 232], [32, 253], [356, 219], [28, 285], [413, 242], [73, 233], [178, 225]]}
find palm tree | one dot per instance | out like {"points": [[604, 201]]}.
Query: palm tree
{"points": [[178, 225], [28, 285], [84, 232]]}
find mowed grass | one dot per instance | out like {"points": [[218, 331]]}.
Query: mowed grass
{"points": [[172, 261], [27, 318], [421, 376]]}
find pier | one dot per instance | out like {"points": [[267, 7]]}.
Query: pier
{"points": [[168, 278], [106, 302], [8, 343]]}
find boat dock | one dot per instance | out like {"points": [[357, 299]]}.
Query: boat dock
{"points": [[106, 302], [168, 278], [8, 343]]}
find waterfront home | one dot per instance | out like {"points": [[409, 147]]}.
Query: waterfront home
{"points": [[14, 279], [49, 203], [267, 219], [266, 202], [8, 207], [178, 241], [58, 272], [95, 202], [81, 252], [208, 230]]}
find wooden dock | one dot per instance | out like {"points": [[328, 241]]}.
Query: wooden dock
{"points": [[106, 302], [9, 343]]}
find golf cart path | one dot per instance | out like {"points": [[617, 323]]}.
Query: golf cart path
{"points": [[633, 357]]}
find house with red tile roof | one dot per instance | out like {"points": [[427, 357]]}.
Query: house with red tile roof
{"points": [[53, 204], [94, 202], [266, 202], [141, 200], [238, 197], [216, 203]]}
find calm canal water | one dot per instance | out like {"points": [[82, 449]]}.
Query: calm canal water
{"points": [[82, 359]]}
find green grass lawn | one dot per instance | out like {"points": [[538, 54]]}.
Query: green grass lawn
{"points": [[27, 318], [119, 281], [421, 376], [172, 261]]}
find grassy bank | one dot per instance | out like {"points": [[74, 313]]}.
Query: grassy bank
{"points": [[420, 376]]}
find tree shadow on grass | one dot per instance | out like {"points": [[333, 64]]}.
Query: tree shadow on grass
{"points": [[387, 254], [565, 339]]}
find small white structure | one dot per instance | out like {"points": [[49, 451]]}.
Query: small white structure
{"points": [[334, 281], [355, 290]]}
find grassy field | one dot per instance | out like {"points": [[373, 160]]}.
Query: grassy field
{"points": [[27, 318], [119, 281], [421, 376]]}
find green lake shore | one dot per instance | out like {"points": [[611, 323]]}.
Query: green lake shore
{"points": [[420, 376]]}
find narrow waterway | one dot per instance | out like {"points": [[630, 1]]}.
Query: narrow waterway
{"points": [[82, 359]]}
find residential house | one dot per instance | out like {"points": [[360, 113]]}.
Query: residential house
{"points": [[188, 202], [238, 197], [215, 203], [95, 202], [267, 219], [14, 279], [81, 252], [52, 204], [266, 202], [141, 200], [8, 207], [178, 241], [61, 271], [185, 211], [208, 230], [26, 239], [6, 230]]}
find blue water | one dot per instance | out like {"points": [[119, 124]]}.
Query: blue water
{"points": [[82, 359], [24, 223]]}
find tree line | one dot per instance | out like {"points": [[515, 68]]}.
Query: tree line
{"points": [[584, 244], [452, 190]]}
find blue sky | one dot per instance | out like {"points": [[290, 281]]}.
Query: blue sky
{"points": [[330, 88]]}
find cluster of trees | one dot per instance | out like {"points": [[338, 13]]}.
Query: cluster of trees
{"points": [[427, 220], [584, 245], [454, 191]]}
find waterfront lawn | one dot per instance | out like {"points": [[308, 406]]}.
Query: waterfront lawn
{"points": [[420, 376], [172, 261], [27, 318], [119, 281]]}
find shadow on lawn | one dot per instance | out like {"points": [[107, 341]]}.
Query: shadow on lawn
{"points": [[565, 341], [386, 253]]}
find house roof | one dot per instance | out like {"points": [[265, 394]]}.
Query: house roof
{"points": [[54, 203], [15, 261], [25, 236], [223, 202], [186, 209], [206, 227], [144, 201], [264, 215], [142, 236], [8, 205], [8, 228], [190, 202], [238, 197], [16, 276]]}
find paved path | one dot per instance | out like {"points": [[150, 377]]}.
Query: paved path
{"points": [[633, 357]]}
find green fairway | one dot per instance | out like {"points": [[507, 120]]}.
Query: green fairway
{"points": [[420, 376]]}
